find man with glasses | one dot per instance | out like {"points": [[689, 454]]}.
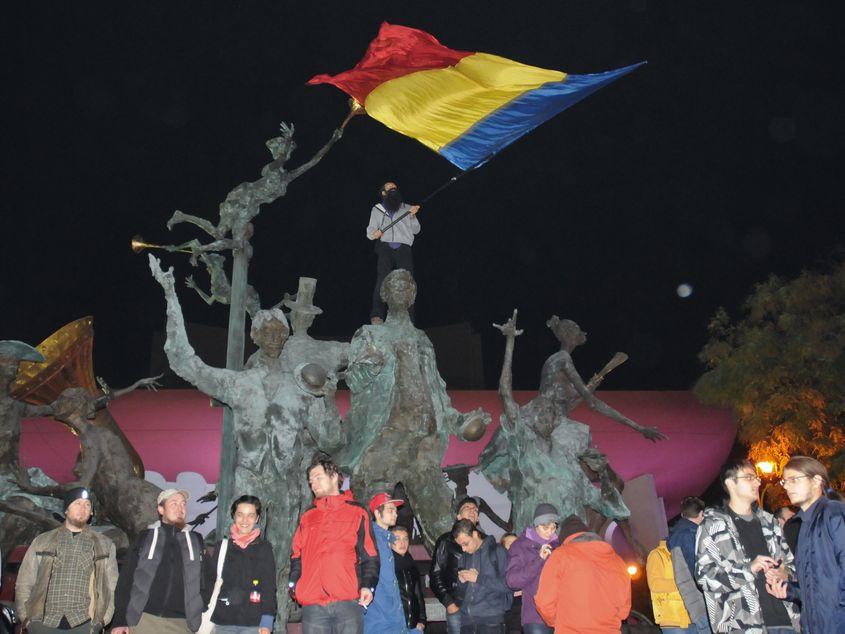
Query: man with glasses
{"points": [[738, 548]]}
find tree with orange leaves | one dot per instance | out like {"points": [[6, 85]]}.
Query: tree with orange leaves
{"points": [[781, 368]]}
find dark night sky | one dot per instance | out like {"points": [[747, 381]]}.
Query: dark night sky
{"points": [[716, 165]]}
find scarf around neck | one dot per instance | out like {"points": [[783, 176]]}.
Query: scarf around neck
{"points": [[243, 540], [532, 534]]}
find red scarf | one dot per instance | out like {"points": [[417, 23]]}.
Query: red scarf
{"points": [[243, 540]]}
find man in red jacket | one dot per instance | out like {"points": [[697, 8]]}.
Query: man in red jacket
{"points": [[334, 563]]}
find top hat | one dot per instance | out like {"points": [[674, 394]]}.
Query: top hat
{"points": [[304, 298]]}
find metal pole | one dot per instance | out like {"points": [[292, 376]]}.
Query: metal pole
{"points": [[429, 197], [234, 361]]}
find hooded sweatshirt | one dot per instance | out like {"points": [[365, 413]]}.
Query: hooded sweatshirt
{"points": [[488, 598], [584, 587]]}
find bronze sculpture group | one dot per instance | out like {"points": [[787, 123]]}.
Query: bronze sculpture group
{"points": [[282, 402]]}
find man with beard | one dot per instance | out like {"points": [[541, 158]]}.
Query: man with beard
{"points": [[159, 587], [67, 578], [393, 246], [334, 563]]}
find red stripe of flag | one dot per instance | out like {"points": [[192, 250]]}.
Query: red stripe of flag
{"points": [[396, 51]]}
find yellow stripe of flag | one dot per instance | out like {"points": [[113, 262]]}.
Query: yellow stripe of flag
{"points": [[437, 106]]}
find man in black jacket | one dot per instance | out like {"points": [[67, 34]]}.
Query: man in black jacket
{"points": [[158, 591], [443, 575], [408, 578]]}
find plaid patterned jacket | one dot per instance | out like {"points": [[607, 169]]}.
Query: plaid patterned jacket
{"points": [[723, 571]]}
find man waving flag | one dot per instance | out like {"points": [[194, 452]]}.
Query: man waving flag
{"points": [[465, 106]]}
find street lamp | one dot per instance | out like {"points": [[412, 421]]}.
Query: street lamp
{"points": [[768, 472], [766, 467]]}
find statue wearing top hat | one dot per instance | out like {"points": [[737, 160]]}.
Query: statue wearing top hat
{"points": [[274, 417]]}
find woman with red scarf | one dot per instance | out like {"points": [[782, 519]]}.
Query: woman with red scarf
{"points": [[246, 601]]}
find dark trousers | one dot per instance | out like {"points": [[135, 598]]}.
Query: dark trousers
{"points": [[482, 629], [389, 260], [36, 627], [340, 617]]}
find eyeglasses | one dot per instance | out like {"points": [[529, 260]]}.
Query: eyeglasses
{"points": [[792, 480], [750, 478]]}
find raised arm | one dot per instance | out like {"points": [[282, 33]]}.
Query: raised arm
{"points": [[299, 171], [511, 408], [216, 382]]}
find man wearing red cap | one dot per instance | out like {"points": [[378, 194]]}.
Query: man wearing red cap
{"points": [[385, 614]]}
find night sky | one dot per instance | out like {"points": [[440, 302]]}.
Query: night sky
{"points": [[715, 165]]}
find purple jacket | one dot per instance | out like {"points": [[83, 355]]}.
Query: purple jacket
{"points": [[524, 568]]}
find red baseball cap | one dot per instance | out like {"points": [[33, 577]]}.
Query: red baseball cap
{"points": [[383, 498]]}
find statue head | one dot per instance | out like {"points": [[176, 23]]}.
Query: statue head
{"points": [[281, 147], [567, 332], [75, 407], [214, 261], [399, 290], [269, 331], [543, 416]]}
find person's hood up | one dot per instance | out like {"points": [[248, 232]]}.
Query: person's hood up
{"points": [[592, 547]]}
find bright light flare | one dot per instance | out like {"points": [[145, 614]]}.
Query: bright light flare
{"points": [[766, 467], [633, 570]]}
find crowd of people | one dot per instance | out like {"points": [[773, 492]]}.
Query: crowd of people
{"points": [[738, 568], [727, 569]]}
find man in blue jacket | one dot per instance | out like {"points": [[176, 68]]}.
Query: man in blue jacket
{"points": [[483, 567], [385, 614], [821, 548], [681, 544]]}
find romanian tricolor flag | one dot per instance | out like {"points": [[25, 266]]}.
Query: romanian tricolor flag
{"points": [[464, 106]]}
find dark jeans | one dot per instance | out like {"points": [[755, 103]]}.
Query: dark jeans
{"points": [[536, 628], [483, 629], [340, 617], [389, 260], [453, 623]]}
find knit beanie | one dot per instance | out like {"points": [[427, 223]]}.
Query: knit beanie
{"points": [[545, 514]]}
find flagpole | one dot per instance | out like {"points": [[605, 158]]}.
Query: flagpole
{"points": [[454, 179]]}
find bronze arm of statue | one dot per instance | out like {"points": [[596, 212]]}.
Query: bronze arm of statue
{"points": [[216, 382], [150, 383], [323, 425], [511, 407], [299, 171], [565, 363], [593, 384], [41, 518]]}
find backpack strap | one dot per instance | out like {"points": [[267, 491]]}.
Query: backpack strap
{"points": [[221, 557]]}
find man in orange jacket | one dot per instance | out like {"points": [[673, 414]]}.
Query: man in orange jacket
{"points": [[334, 563], [584, 586]]}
